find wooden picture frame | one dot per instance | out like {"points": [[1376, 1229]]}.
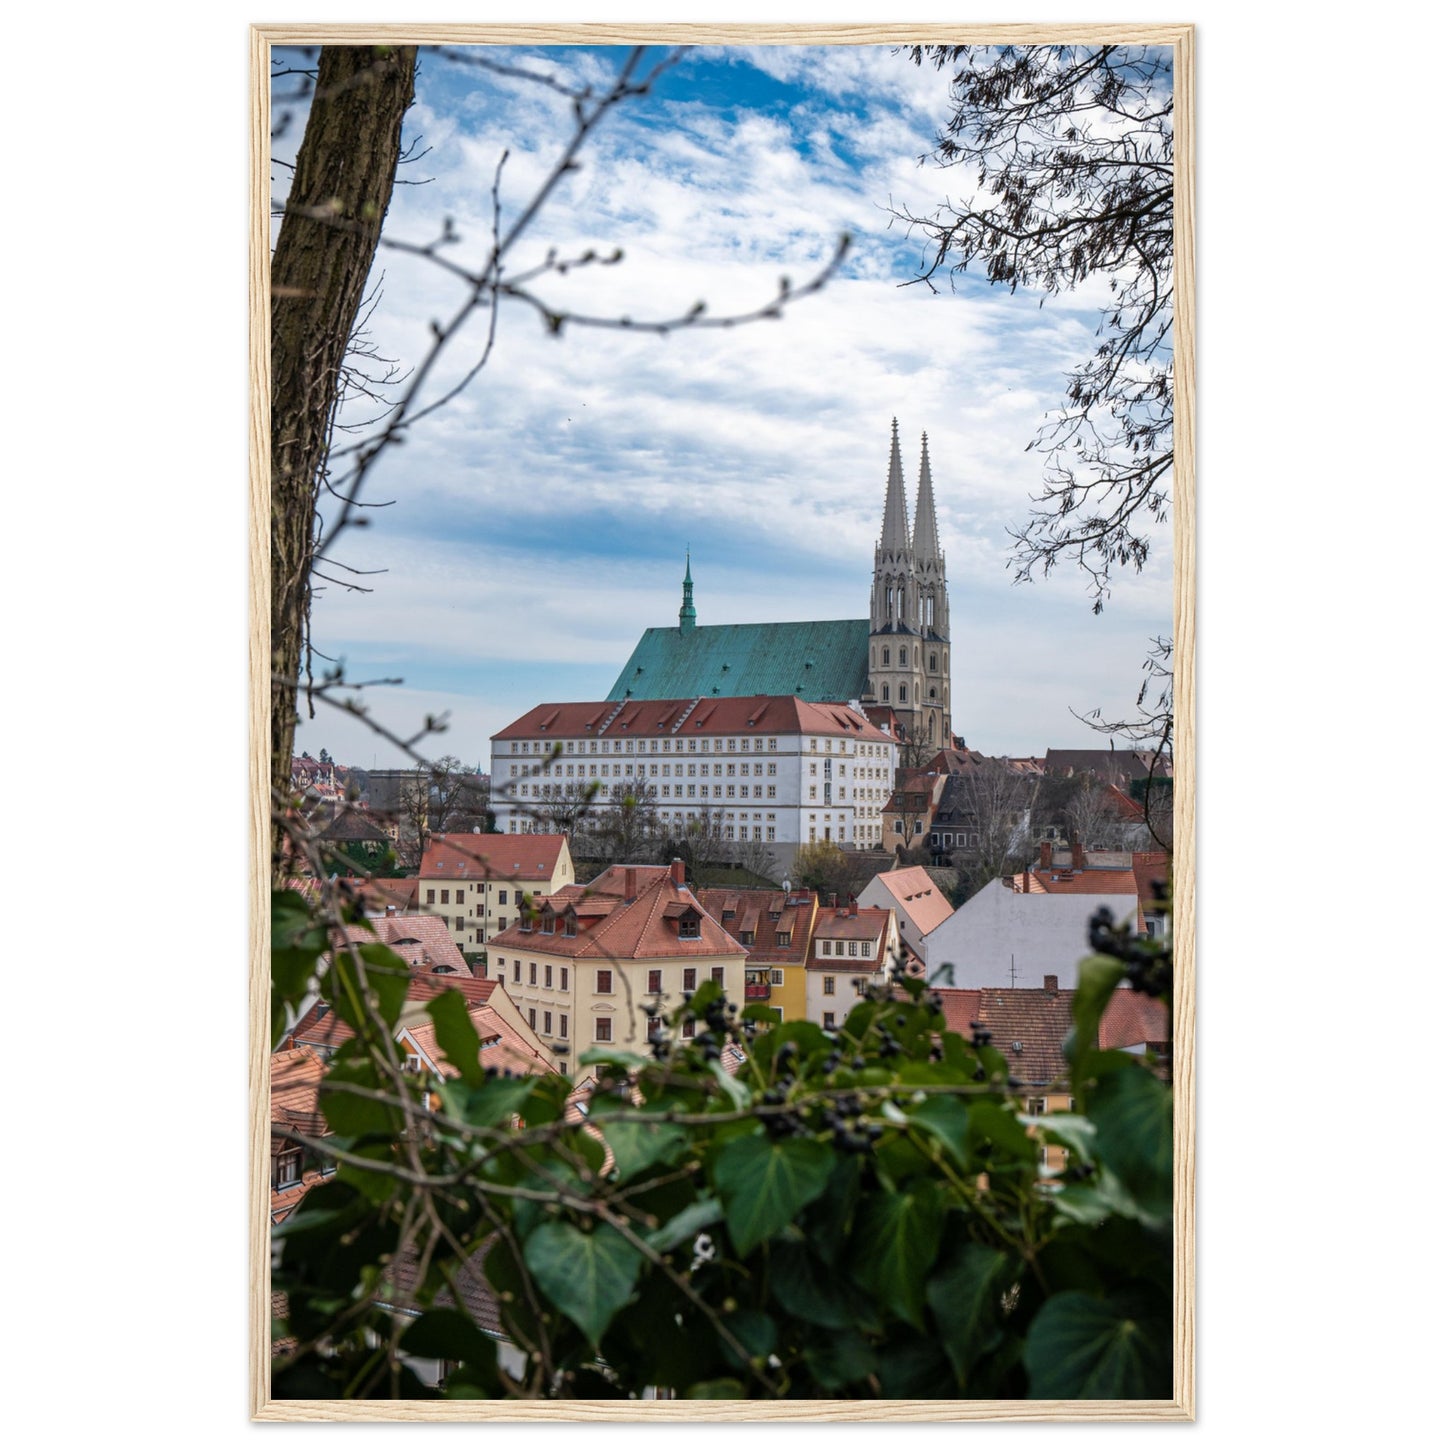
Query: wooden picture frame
{"points": [[1182, 1406]]}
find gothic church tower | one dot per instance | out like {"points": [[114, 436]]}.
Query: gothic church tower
{"points": [[908, 649]]}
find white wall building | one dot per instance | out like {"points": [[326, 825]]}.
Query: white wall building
{"points": [[772, 770], [1005, 939]]}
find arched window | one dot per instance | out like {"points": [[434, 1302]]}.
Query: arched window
{"points": [[902, 692], [933, 694], [885, 692], [930, 609], [933, 662], [885, 657]]}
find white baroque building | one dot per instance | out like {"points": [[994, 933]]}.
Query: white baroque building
{"points": [[772, 770]]}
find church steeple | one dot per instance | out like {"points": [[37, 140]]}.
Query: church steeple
{"points": [[687, 613], [925, 523], [894, 537]]}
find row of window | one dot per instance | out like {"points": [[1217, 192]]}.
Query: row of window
{"points": [[834, 947], [574, 747], [563, 982], [446, 896], [903, 655]]}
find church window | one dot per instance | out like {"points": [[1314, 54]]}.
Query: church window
{"points": [[933, 694], [902, 692], [885, 692], [886, 655], [933, 662]]}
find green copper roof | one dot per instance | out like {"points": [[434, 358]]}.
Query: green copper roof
{"points": [[816, 661]]}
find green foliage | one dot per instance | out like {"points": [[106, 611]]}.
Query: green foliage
{"points": [[858, 1213]]}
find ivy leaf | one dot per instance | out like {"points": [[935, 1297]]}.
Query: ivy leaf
{"points": [[964, 1296], [1080, 1347], [629, 1062], [1133, 1115], [765, 1182], [497, 1101], [946, 1118], [899, 1234], [1098, 978], [457, 1036], [589, 1277], [841, 1358], [716, 1390], [444, 1334], [685, 1225], [637, 1145]]}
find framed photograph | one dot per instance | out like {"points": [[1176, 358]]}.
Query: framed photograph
{"points": [[722, 723]]}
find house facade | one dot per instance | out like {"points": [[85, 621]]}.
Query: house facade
{"points": [[852, 948], [477, 882], [585, 967]]}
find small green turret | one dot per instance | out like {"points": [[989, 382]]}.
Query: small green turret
{"points": [[687, 613]]}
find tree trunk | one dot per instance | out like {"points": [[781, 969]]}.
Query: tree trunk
{"points": [[328, 238]]}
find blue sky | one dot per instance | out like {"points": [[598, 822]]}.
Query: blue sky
{"points": [[539, 523]]}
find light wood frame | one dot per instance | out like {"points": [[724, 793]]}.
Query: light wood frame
{"points": [[1182, 1407]]}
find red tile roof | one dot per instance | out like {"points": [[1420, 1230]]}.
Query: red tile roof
{"points": [[295, 1080], [918, 896], [503, 1045], [1132, 1019], [639, 929], [751, 912], [530, 857], [421, 940], [842, 924], [690, 717], [1076, 880]]}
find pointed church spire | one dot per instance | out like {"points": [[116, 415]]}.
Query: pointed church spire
{"points": [[925, 523], [687, 613], [895, 510]]}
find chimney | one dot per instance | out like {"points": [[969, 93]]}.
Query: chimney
{"points": [[1046, 855], [852, 906], [391, 910], [1051, 983], [629, 885], [832, 900], [679, 873]]}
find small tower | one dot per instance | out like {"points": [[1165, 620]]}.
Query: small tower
{"points": [[933, 683], [687, 613]]}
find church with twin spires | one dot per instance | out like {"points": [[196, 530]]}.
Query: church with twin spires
{"points": [[896, 658]]}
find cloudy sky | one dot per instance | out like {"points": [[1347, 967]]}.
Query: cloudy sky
{"points": [[539, 522]]}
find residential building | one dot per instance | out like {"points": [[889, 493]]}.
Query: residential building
{"points": [[586, 965], [1029, 1026], [479, 882], [772, 770], [296, 1075], [852, 948], [915, 898], [1015, 931], [908, 813], [776, 929]]}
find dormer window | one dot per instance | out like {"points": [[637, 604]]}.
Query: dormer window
{"points": [[689, 926], [569, 924], [549, 921], [286, 1169]]}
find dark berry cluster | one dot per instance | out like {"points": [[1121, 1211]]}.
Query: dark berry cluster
{"points": [[1148, 962]]}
